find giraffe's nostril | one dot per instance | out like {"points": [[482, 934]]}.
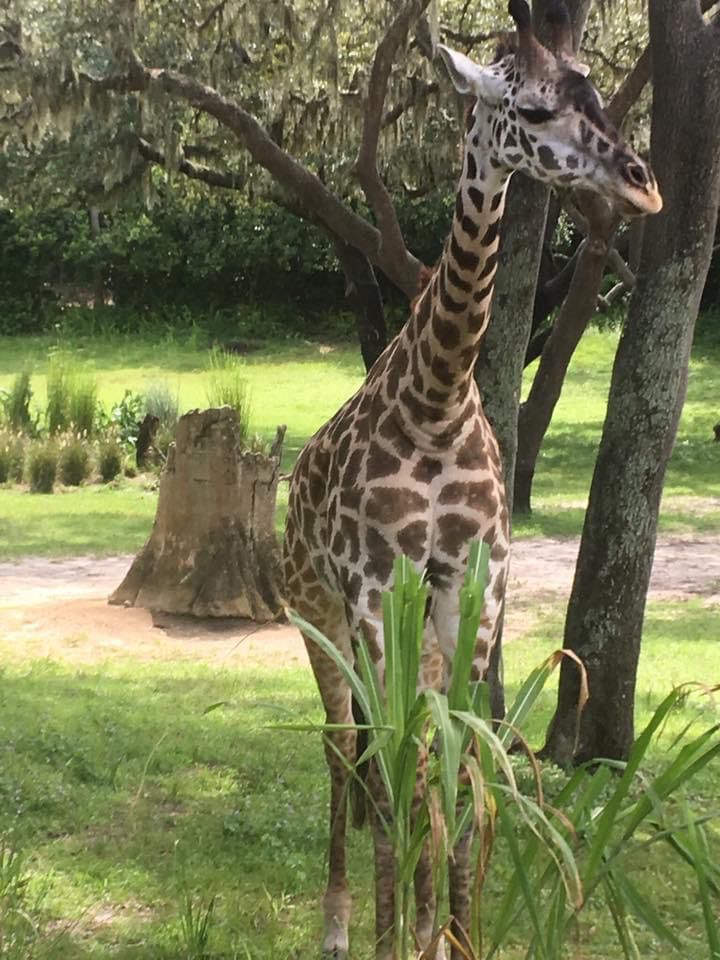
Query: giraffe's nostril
{"points": [[635, 174]]}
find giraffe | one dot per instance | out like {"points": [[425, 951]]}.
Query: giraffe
{"points": [[410, 464]]}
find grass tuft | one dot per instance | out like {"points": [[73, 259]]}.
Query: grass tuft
{"points": [[16, 403], [42, 466], [74, 462], [228, 388]]}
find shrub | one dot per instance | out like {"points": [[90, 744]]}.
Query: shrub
{"points": [[12, 457], [110, 458], [71, 396], [16, 403], [83, 405], [226, 388], [160, 401], [74, 460], [126, 415], [42, 467], [57, 411]]}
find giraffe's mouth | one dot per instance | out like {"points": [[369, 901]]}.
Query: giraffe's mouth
{"points": [[638, 194], [634, 204]]}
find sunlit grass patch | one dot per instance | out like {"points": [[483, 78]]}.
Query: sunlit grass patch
{"points": [[301, 385]]}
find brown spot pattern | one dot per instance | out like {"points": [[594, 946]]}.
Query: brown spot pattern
{"points": [[380, 556], [381, 463], [455, 531], [412, 539], [391, 504], [479, 495], [426, 469]]}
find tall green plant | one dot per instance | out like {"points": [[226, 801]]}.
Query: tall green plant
{"points": [[561, 855], [226, 387], [57, 411], [16, 403], [71, 396]]}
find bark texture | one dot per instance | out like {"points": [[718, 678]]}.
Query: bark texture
{"points": [[579, 306], [500, 365], [212, 551], [607, 603]]}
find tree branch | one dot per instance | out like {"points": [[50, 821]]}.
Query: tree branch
{"points": [[214, 12], [634, 83], [630, 89], [214, 178], [618, 266], [469, 40], [420, 89], [398, 265], [366, 171]]}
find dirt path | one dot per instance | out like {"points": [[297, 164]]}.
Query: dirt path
{"points": [[59, 608]]}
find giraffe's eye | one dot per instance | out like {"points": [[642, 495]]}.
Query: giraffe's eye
{"points": [[536, 114]]}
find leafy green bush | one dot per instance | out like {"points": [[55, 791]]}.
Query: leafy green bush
{"points": [[42, 466], [12, 456], [109, 458], [126, 415], [16, 403], [73, 459]]}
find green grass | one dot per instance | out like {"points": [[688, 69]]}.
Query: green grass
{"points": [[301, 384], [127, 797]]}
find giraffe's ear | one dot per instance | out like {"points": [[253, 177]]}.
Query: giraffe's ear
{"points": [[470, 79]]}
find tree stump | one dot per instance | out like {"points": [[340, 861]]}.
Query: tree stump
{"points": [[212, 551]]}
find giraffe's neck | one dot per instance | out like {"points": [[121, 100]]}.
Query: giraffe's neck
{"points": [[438, 346]]}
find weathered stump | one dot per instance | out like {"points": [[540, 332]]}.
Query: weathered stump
{"points": [[212, 551]]}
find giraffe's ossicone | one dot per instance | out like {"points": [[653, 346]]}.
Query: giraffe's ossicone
{"points": [[410, 465]]}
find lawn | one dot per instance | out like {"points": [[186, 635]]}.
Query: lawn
{"points": [[302, 384], [126, 797]]}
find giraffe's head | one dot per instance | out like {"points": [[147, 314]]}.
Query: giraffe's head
{"points": [[536, 111]]}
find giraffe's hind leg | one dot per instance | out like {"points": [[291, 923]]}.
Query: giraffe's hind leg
{"points": [[327, 613], [340, 755]]}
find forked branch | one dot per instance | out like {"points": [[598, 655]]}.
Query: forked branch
{"points": [[366, 168]]}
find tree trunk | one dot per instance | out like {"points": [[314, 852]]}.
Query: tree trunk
{"points": [[500, 365], [607, 603], [98, 278], [212, 551], [365, 298], [579, 306]]}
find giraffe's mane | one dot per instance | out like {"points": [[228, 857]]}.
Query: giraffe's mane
{"points": [[424, 277]]}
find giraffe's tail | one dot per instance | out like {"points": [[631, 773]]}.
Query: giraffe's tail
{"points": [[358, 788]]}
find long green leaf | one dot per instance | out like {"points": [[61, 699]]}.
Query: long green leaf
{"points": [[700, 864], [606, 822], [472, 600], [644, 910]]}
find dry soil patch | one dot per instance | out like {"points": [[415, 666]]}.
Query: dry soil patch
{"points": [[58, 608]]}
